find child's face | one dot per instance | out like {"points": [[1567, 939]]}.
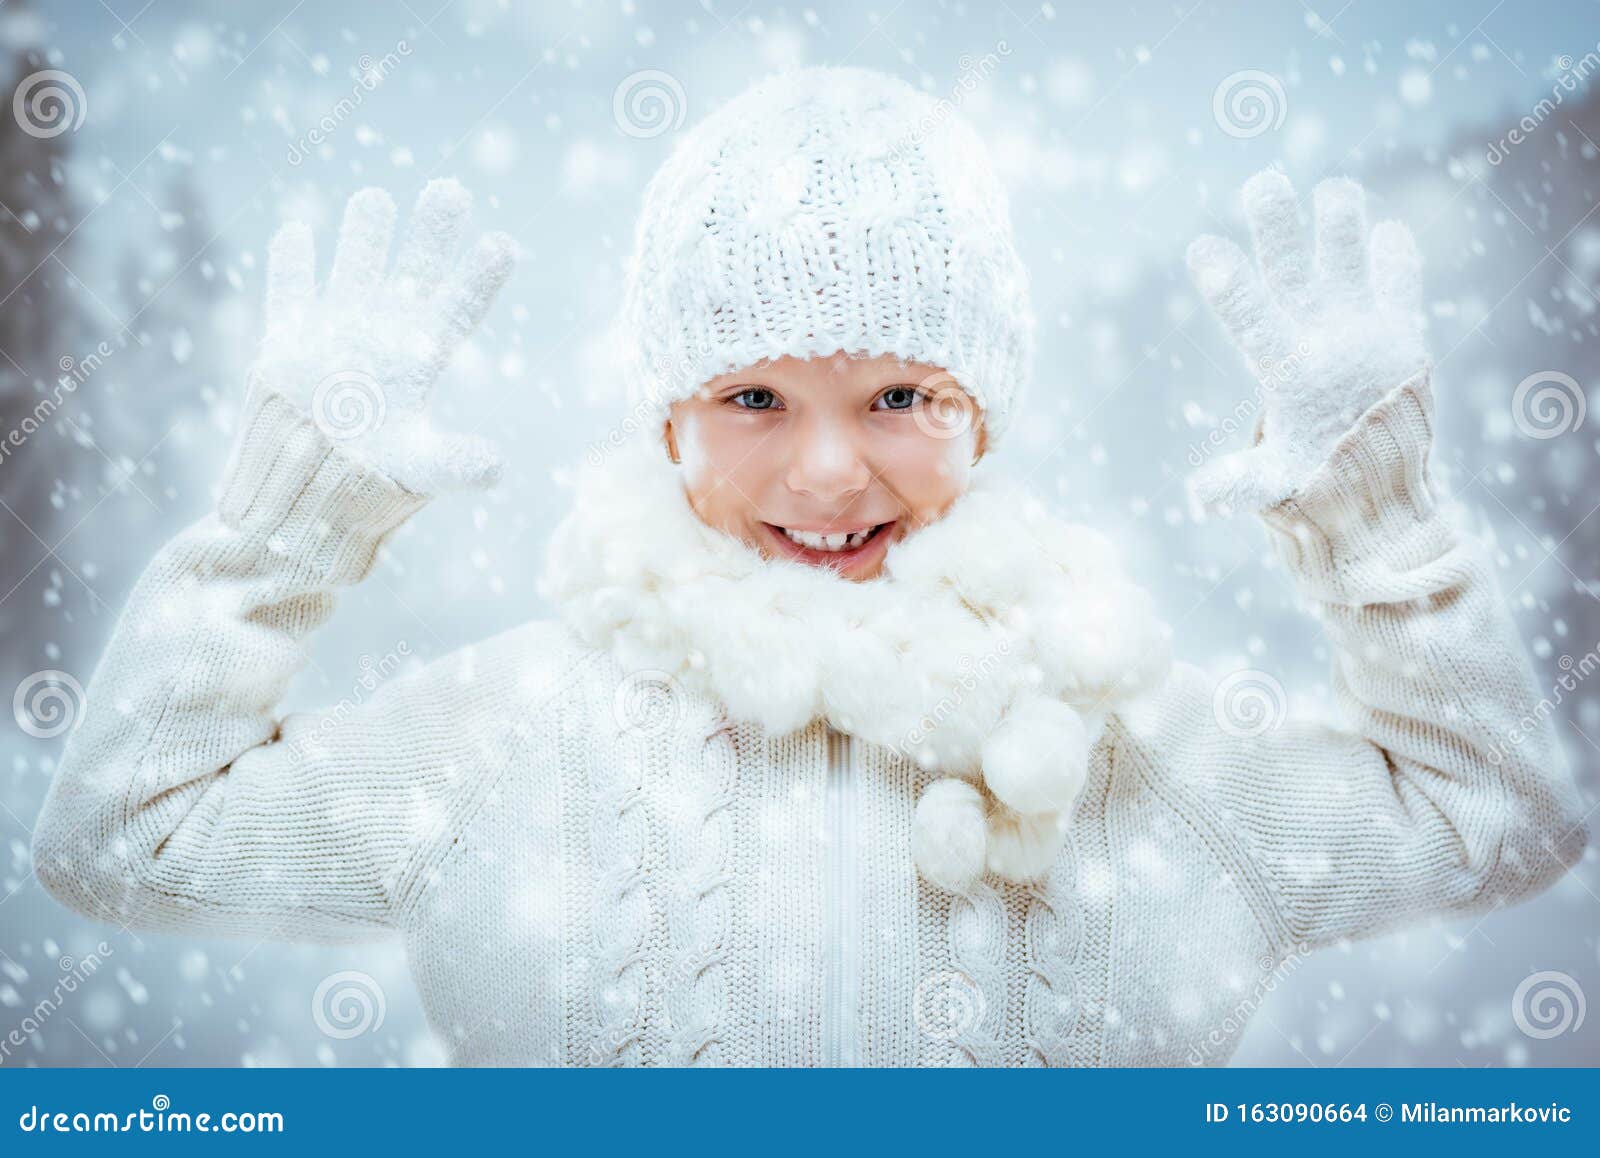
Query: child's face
{"points": [[872, 448]]}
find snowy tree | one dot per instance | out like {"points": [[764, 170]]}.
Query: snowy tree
{"points": [[41, 332]]}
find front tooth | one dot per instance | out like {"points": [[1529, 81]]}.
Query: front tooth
{"points": [[836, 542]]}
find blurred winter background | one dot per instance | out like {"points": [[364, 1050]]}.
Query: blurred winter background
{"points": [[148, 149]]}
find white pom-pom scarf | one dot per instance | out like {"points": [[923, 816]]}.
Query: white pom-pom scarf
{"points": [[989, 651]]}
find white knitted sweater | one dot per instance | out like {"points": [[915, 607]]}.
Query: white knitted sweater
{"points": [[604, 854]]}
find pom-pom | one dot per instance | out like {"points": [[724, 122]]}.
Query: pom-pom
{"points": [[1023, 847], [948, 839], [1038, 758]]}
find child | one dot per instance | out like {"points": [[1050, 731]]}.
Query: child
{"points": [[840, 752]]}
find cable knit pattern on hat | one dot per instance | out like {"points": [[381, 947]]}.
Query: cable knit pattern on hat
{"points": [[827, 209], [581, 881]]}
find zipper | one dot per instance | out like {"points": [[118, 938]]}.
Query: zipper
{"points": [[842, 991]]}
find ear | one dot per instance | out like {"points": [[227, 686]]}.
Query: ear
{"points": [[982, 447], [669, 441]]}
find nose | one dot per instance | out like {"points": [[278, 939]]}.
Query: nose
{"points": [[826, 464]]}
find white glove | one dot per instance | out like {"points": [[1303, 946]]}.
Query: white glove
{"points": [[1327, 335], [361, 357]]}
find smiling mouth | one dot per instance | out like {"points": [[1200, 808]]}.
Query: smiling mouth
{"points": [[839, 545]]}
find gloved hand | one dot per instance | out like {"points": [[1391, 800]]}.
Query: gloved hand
{"points": [[1327, 332], [361, 356]]}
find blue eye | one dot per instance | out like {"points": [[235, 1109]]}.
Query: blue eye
{"points": [[755, 398], [899, 397]]}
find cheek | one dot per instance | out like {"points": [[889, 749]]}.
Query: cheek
{"points": [[928, 474], [721, 467]]}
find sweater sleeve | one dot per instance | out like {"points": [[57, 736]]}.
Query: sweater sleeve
{"points": [[182, 802], [1446, 790]]}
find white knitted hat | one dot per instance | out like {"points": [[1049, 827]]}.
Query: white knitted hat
{"points": [[826, 209]]}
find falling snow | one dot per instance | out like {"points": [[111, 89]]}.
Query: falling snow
{"points": [[132, 272]]}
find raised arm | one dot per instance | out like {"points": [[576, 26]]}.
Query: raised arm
{"points": [[183, 802], [1447, 790]]}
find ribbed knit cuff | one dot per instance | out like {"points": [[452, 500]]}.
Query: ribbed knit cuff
{"points": [[1370, 504], [312, 502]]}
